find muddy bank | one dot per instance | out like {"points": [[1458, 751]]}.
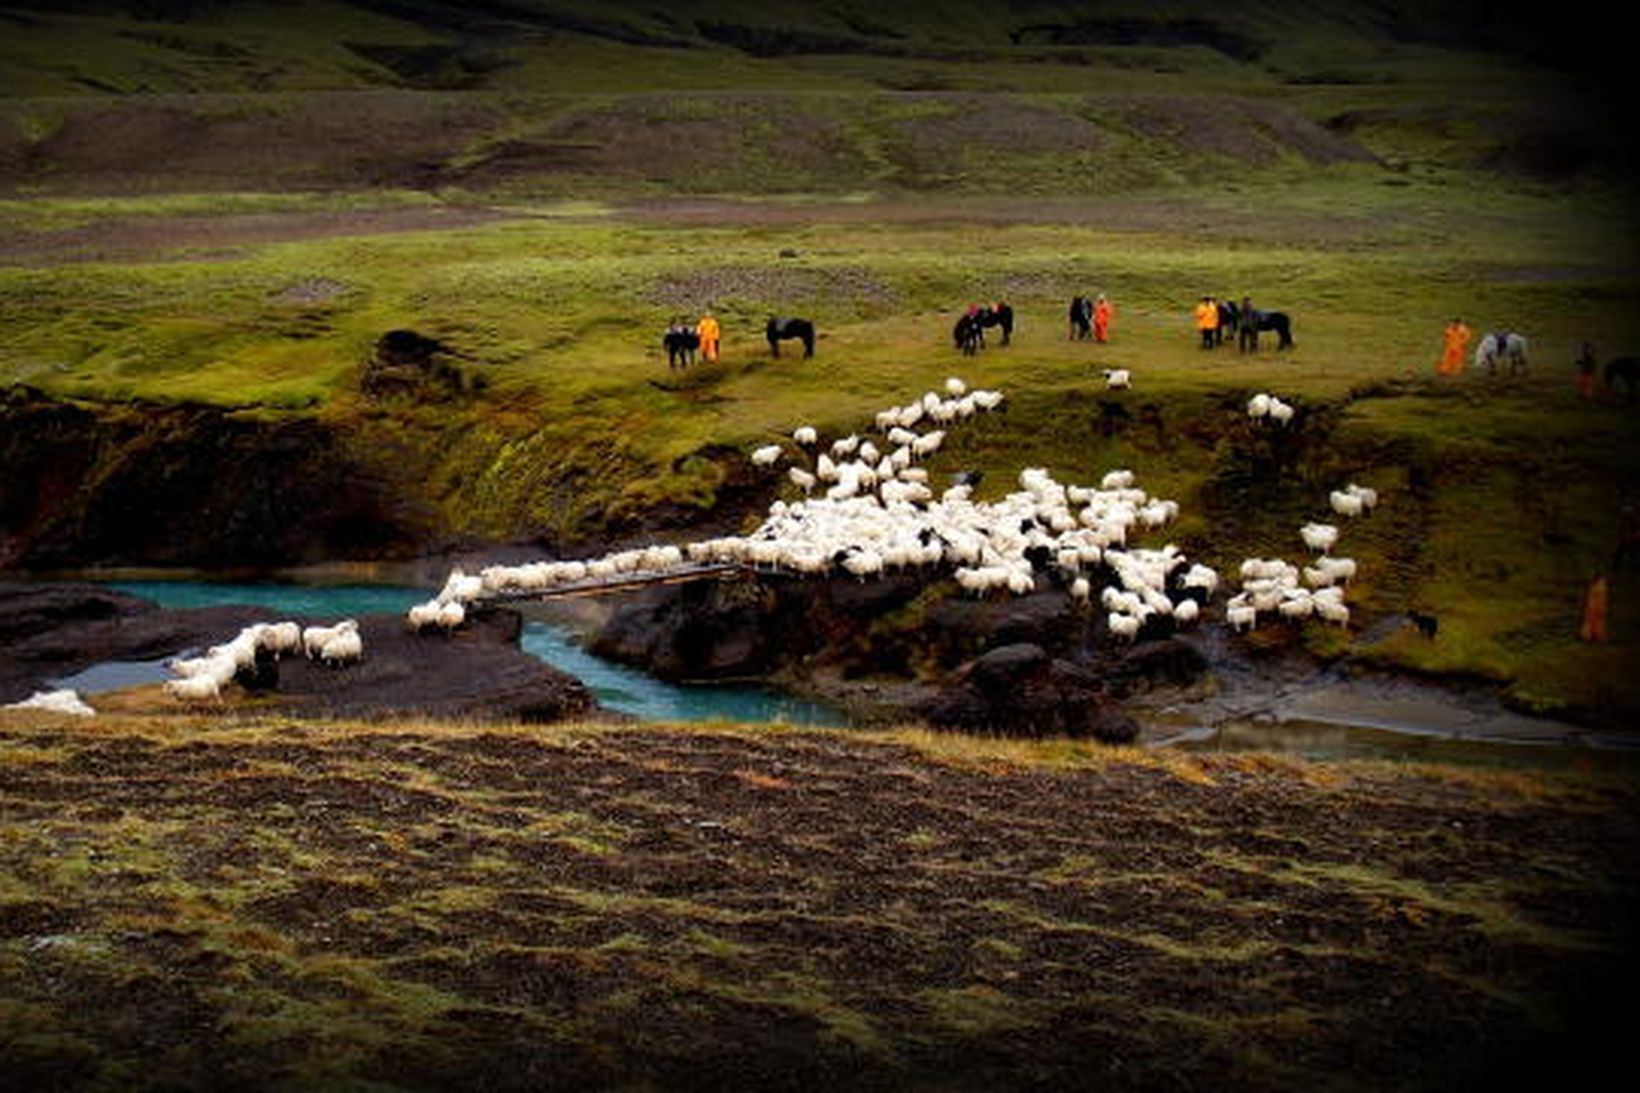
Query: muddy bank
{"points": [[49, 632]]}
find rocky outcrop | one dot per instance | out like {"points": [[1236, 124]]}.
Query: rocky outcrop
{"points": [[187, 485], [1020, 690], [1031, 665], [48, 632]]}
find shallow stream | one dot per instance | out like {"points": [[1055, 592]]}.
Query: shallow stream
{"points": [[1319, 718]]}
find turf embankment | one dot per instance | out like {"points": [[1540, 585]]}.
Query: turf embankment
{"points": [[270, 902]]}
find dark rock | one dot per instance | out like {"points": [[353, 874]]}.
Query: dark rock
{"points": [[1020, 690], [1170, 662]]}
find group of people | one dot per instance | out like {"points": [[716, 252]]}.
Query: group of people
{"points": [[1215, 318]]}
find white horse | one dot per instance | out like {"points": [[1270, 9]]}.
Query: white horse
{"points": [[1509, 347]]}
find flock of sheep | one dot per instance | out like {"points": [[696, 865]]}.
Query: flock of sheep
{"points": [[201, 678], [868, 508]]}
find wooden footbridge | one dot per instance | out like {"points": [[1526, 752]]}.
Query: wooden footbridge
{"points": [[626, 582]]}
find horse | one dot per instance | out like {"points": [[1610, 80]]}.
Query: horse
{"points": [[1624, 370], [1081, 318], [681, 343], [1229, 322], [995, 315], [966, 334], [780, 330], [1268, 320], [1507, 346]]}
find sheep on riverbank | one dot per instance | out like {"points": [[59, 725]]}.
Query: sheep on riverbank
{"points": [[64, 700]]}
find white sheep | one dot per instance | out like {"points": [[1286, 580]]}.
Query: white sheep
{"points": [[345, 647], [1345, 504], [1123, 625], [802, 479], [766, 456], [806, 436], [1118, 379], [280, 638], [450, 617], [955, 387], [199, 688], [1258, 406], [423, 615], [64, 700], [1319, 537], [1280, 412], [314, 638]]}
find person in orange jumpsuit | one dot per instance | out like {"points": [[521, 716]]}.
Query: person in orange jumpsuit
{"points": [[708, 332], [1596, 604], [1207, 321], [1101, 319], [1457, 342]]}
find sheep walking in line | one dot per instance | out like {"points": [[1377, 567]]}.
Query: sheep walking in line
{"points": [[344, 648], [202, 678], [315, 638]]}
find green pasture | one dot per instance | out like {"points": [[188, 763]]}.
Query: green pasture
{"points": [[1501, 494]]}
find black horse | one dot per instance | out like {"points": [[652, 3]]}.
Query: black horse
{"points": [[995, 315], [1268, 320], [966, 334], [681, 343], [1081, 318], [1229, 322], [780, 330], [1624, 370]]}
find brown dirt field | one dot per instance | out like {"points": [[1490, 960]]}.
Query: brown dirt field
{"points": [[259, 903], [196, 237]]}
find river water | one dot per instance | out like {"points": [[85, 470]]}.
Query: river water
{"points": [[1326, 720]]}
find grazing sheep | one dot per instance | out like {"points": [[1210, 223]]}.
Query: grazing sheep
{"points": [[1118, 379], [1280, 412], [806, 436], [802, 479], [1319, 537], [955, 387], [766, 456], [1258, 406]]}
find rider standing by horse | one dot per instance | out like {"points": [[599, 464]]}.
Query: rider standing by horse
{"points": [[1452, 352], [1207, 321], [709, 332], [1101, 319]]}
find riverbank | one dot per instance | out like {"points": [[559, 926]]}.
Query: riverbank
{"points": [[1288, 702]]}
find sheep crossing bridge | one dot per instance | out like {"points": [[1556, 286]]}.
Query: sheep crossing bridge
{"points": [[627, 581]]}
